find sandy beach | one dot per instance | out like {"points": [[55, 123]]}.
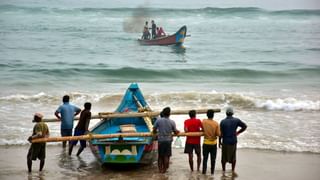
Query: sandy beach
{"points": [[252, 164]]}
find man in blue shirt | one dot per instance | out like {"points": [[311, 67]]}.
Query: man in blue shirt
{"points": [[229, 133], [66, 113]]}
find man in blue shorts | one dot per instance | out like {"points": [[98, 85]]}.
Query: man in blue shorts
{"points": [[164, 126], [66, 113]]}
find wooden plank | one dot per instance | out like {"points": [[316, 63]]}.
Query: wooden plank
{"points": [[103, 115], [128, 128], [104, 136]]}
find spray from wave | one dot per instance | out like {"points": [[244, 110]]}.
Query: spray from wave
{"points": [[134, 24]]}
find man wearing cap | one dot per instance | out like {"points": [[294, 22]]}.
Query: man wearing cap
{"points": [[229, 133], [37, 150]]}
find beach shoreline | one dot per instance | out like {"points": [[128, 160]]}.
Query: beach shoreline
{"points": [[251, 164]]}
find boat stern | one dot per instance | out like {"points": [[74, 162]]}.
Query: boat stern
{"points": [[125, 153]]}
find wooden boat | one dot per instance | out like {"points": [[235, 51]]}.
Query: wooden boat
{"points": [[175, 39], [124, 136], [126, 150]]}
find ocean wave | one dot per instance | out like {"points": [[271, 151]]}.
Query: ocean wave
{"points": [[264, 114], [49, 99], [13, 142], [280, 146], [131, 74], [217, 12], [288, 104], [313, 49], [239, 100], [176, 99], [22, 97]]}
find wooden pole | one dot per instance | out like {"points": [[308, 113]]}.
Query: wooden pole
{"points": [[76, 119], [147, 119], [103, 115], [155, 113], [104, 136]]}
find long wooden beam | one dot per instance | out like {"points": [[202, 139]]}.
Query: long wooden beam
{"points": [[104, 136], [103, 115]]}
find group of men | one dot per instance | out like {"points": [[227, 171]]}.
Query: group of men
{"points": [[226, 132], [65, 113], [155, 31], [164, 127]]}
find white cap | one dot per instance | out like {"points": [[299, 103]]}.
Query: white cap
{"points": [[229, 110], [39, 115]]}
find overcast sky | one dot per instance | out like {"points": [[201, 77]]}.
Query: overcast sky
{"points": [[266, 4], [280, 4]]}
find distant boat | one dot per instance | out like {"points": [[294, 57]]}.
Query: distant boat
{"points": [[126, 150], [175, 39]]}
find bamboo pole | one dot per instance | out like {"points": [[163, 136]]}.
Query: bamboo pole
{"points": [[147, 119], [103, 115], [155, 113], [104, 136], [75, 118]]}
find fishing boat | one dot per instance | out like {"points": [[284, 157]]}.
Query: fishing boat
{"points": [[124, 136], [126, 150], [175, 39]]}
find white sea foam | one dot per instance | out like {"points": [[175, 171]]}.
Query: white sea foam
{"points": [[279, 146], [288, 104], [13, 142], [22, 97], [269, 126], [222, 100], [176, 99]]}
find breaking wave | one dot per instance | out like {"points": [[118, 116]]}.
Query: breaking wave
{"points": [[185, 99]]}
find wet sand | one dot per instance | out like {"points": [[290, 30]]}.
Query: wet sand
{"points": [[251, 165]]}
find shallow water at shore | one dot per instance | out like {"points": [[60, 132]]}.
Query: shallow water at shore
{"points": [[264, 63], [251, 164]]}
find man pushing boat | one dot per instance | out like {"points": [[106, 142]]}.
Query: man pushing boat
{"points": [[165, 126]]}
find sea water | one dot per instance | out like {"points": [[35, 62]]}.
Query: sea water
{"points": [[265, 63]]}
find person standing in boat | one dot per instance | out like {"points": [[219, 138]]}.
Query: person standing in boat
{"points": [[66, 113], [37, 150], [193, 143], [146, 25], [229, 133], [164, 126], [153, 29], [145, 32], [82, 128]]}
